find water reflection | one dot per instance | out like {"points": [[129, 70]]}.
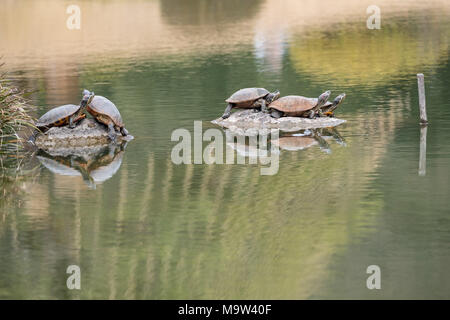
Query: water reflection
{"points": [[17, 173], [366, 52], [94, 164], [251, 146], [308, 138], [157, 230], [270, 48], [208, 12], [423, 151]]}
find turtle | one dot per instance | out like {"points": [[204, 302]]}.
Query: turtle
{"points": [[328, 108], [60, 116], [250, 98], [298, 106], [104, 111]]}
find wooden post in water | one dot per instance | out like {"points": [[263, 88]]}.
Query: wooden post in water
{"points": [[423, 151], [422, 102], [423, 128]]}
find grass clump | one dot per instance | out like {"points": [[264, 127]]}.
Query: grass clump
{"points": [[14, 117]]}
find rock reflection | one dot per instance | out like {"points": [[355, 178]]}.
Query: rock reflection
{"points": [[94, 164], [251, 146]]}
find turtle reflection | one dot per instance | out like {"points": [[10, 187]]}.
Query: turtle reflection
{"points": [[249, 146], [308, 138], [95, 165]]}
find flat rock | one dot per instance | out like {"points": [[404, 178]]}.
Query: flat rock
{"points": [[87, 133], [249, 122]]}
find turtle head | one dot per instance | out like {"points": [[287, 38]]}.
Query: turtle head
{"points": [[323, 98], [339, 99], [273, 96], [87, 98]]}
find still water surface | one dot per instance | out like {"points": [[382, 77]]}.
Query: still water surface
{"points": [[151, 229]]}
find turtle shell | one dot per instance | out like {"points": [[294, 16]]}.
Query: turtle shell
{"points": [[247, 95], [101, 106], [57, 116], [293, 105]]}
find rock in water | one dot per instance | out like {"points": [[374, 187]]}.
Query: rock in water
{"points": [[87, 133], [246, 121]]}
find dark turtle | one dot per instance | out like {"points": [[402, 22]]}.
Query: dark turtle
{"points": [[250, 98], [60, 116], [328, 108], [104, 111], [298, 106]]}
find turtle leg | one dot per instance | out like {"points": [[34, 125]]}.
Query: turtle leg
{"points": [[112, 132], [263, 106], [71, 122], [124, 131], [256, 107], [260, 105], [276, 114], [227, 111], [312, 114]]}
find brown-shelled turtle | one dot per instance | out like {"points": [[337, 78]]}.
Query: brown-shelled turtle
{"points": [[60, 116], [250, 98], [328, 108], [106, 112], [298, 106]]}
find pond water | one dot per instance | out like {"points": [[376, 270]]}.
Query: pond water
{"points": [[147, 228]]}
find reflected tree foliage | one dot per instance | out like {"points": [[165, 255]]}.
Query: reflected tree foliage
{"points": [[208, 12]]}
